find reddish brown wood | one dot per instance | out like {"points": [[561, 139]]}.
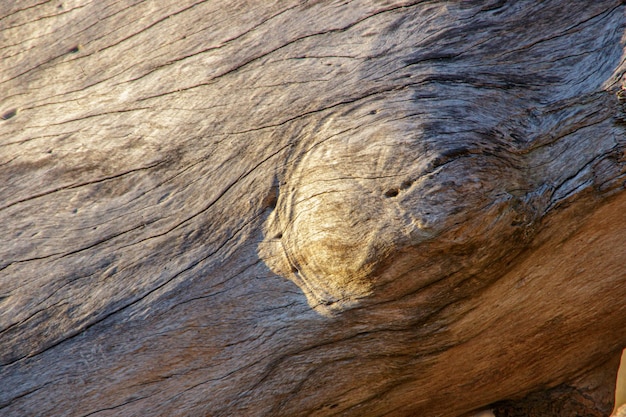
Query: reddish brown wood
{"points": [[314, 208]]}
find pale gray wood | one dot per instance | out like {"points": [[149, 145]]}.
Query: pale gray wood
{"points": [[308, 208]]}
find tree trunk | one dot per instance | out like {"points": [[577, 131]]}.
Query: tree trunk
{"points": [[366, 208]]}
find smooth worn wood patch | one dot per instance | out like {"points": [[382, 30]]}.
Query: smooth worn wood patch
{"points": [[323, 208]]}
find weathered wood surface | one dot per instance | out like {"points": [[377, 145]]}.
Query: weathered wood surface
{"points": [[309, 208]]}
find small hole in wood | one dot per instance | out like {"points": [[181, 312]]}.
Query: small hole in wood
{"points": [[11, 113], [278, 236], [406, 184], [74, 49], [391, 193]]}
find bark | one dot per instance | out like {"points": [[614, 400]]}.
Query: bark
{"points": [[314, 208]]}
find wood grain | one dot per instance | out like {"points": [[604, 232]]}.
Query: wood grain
{"points": [[314, 208]]}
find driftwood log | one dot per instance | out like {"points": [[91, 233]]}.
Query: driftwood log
{"points": [[289, 208]]}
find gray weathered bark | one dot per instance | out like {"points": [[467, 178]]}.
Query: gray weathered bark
{"points": [[311, 207]]}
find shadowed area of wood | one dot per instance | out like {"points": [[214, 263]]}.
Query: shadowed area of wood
{"points": [[320, 208]]}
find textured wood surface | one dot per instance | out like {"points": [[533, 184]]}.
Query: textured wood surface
{"points": [[286, 208]]}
